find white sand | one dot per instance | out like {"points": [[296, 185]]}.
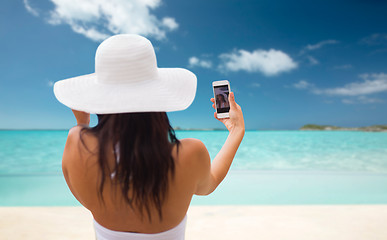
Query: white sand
{"points": [[317, 222]]}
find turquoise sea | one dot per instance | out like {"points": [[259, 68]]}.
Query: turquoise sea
{"points": [[271, 167]]}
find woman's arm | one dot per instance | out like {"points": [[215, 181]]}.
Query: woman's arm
{"points": [[214, 173], [70, 159], [82, 118]]}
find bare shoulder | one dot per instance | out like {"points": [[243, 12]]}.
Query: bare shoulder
{"points": [[192, 149], [194, 155], [193, 145], [73, 137], [75, 134], [77, 149], [70, 150]]}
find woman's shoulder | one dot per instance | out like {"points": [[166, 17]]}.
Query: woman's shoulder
{"points": [[76, 132], [193, 154], [192, 146], [78, 148]]}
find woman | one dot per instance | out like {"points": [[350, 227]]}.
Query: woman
{"points": [[130, 170], [221, 101]]}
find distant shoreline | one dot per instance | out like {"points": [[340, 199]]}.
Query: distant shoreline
{"points": [[307, 127], [315, 127], [225, 130]]}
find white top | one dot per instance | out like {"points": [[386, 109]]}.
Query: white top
{"points": [[176, 233]]}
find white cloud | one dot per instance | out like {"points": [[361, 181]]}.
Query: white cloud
{"points": [[98, 19], [91, 33], [312, 47], [196, 62], [375, 39], [373, 83], [361, 99], [353, 93], [345, 66], [30, 9], [318, 45], [312, 60], [256, 85], [270, 63], [302, 85], [50, 83], [364, 99], [348, 101], [170, 23], [379, 51]]}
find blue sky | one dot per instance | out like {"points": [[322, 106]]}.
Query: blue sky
{"points": [[289, 62]]}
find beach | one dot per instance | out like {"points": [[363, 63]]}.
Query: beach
{"points": [[283, 185], [298, 222]]}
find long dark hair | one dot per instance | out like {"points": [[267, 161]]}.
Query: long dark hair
{"points": [[145, 141]]}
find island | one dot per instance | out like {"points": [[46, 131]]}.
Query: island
{"points": [[315, 127]]}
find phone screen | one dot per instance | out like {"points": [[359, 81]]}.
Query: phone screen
{"points": [[221, 98]]}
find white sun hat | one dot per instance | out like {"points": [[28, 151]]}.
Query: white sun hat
{"points": [[127, 79]]}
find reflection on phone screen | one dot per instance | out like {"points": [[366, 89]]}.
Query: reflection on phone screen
{"points": [[221, 99]]}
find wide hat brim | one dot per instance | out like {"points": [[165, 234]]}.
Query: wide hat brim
{"points": [[173, 90]]}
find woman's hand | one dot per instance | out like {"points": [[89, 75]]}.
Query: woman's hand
{"points": [[82, 118], [235, 122]]}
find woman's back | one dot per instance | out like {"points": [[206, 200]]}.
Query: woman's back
{"points": [[82, 174]]}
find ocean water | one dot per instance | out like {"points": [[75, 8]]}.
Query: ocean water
{"points": [[304, 150], [271, 167]]}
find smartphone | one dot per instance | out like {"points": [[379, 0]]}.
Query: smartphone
{"points": [[221, 92]]}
